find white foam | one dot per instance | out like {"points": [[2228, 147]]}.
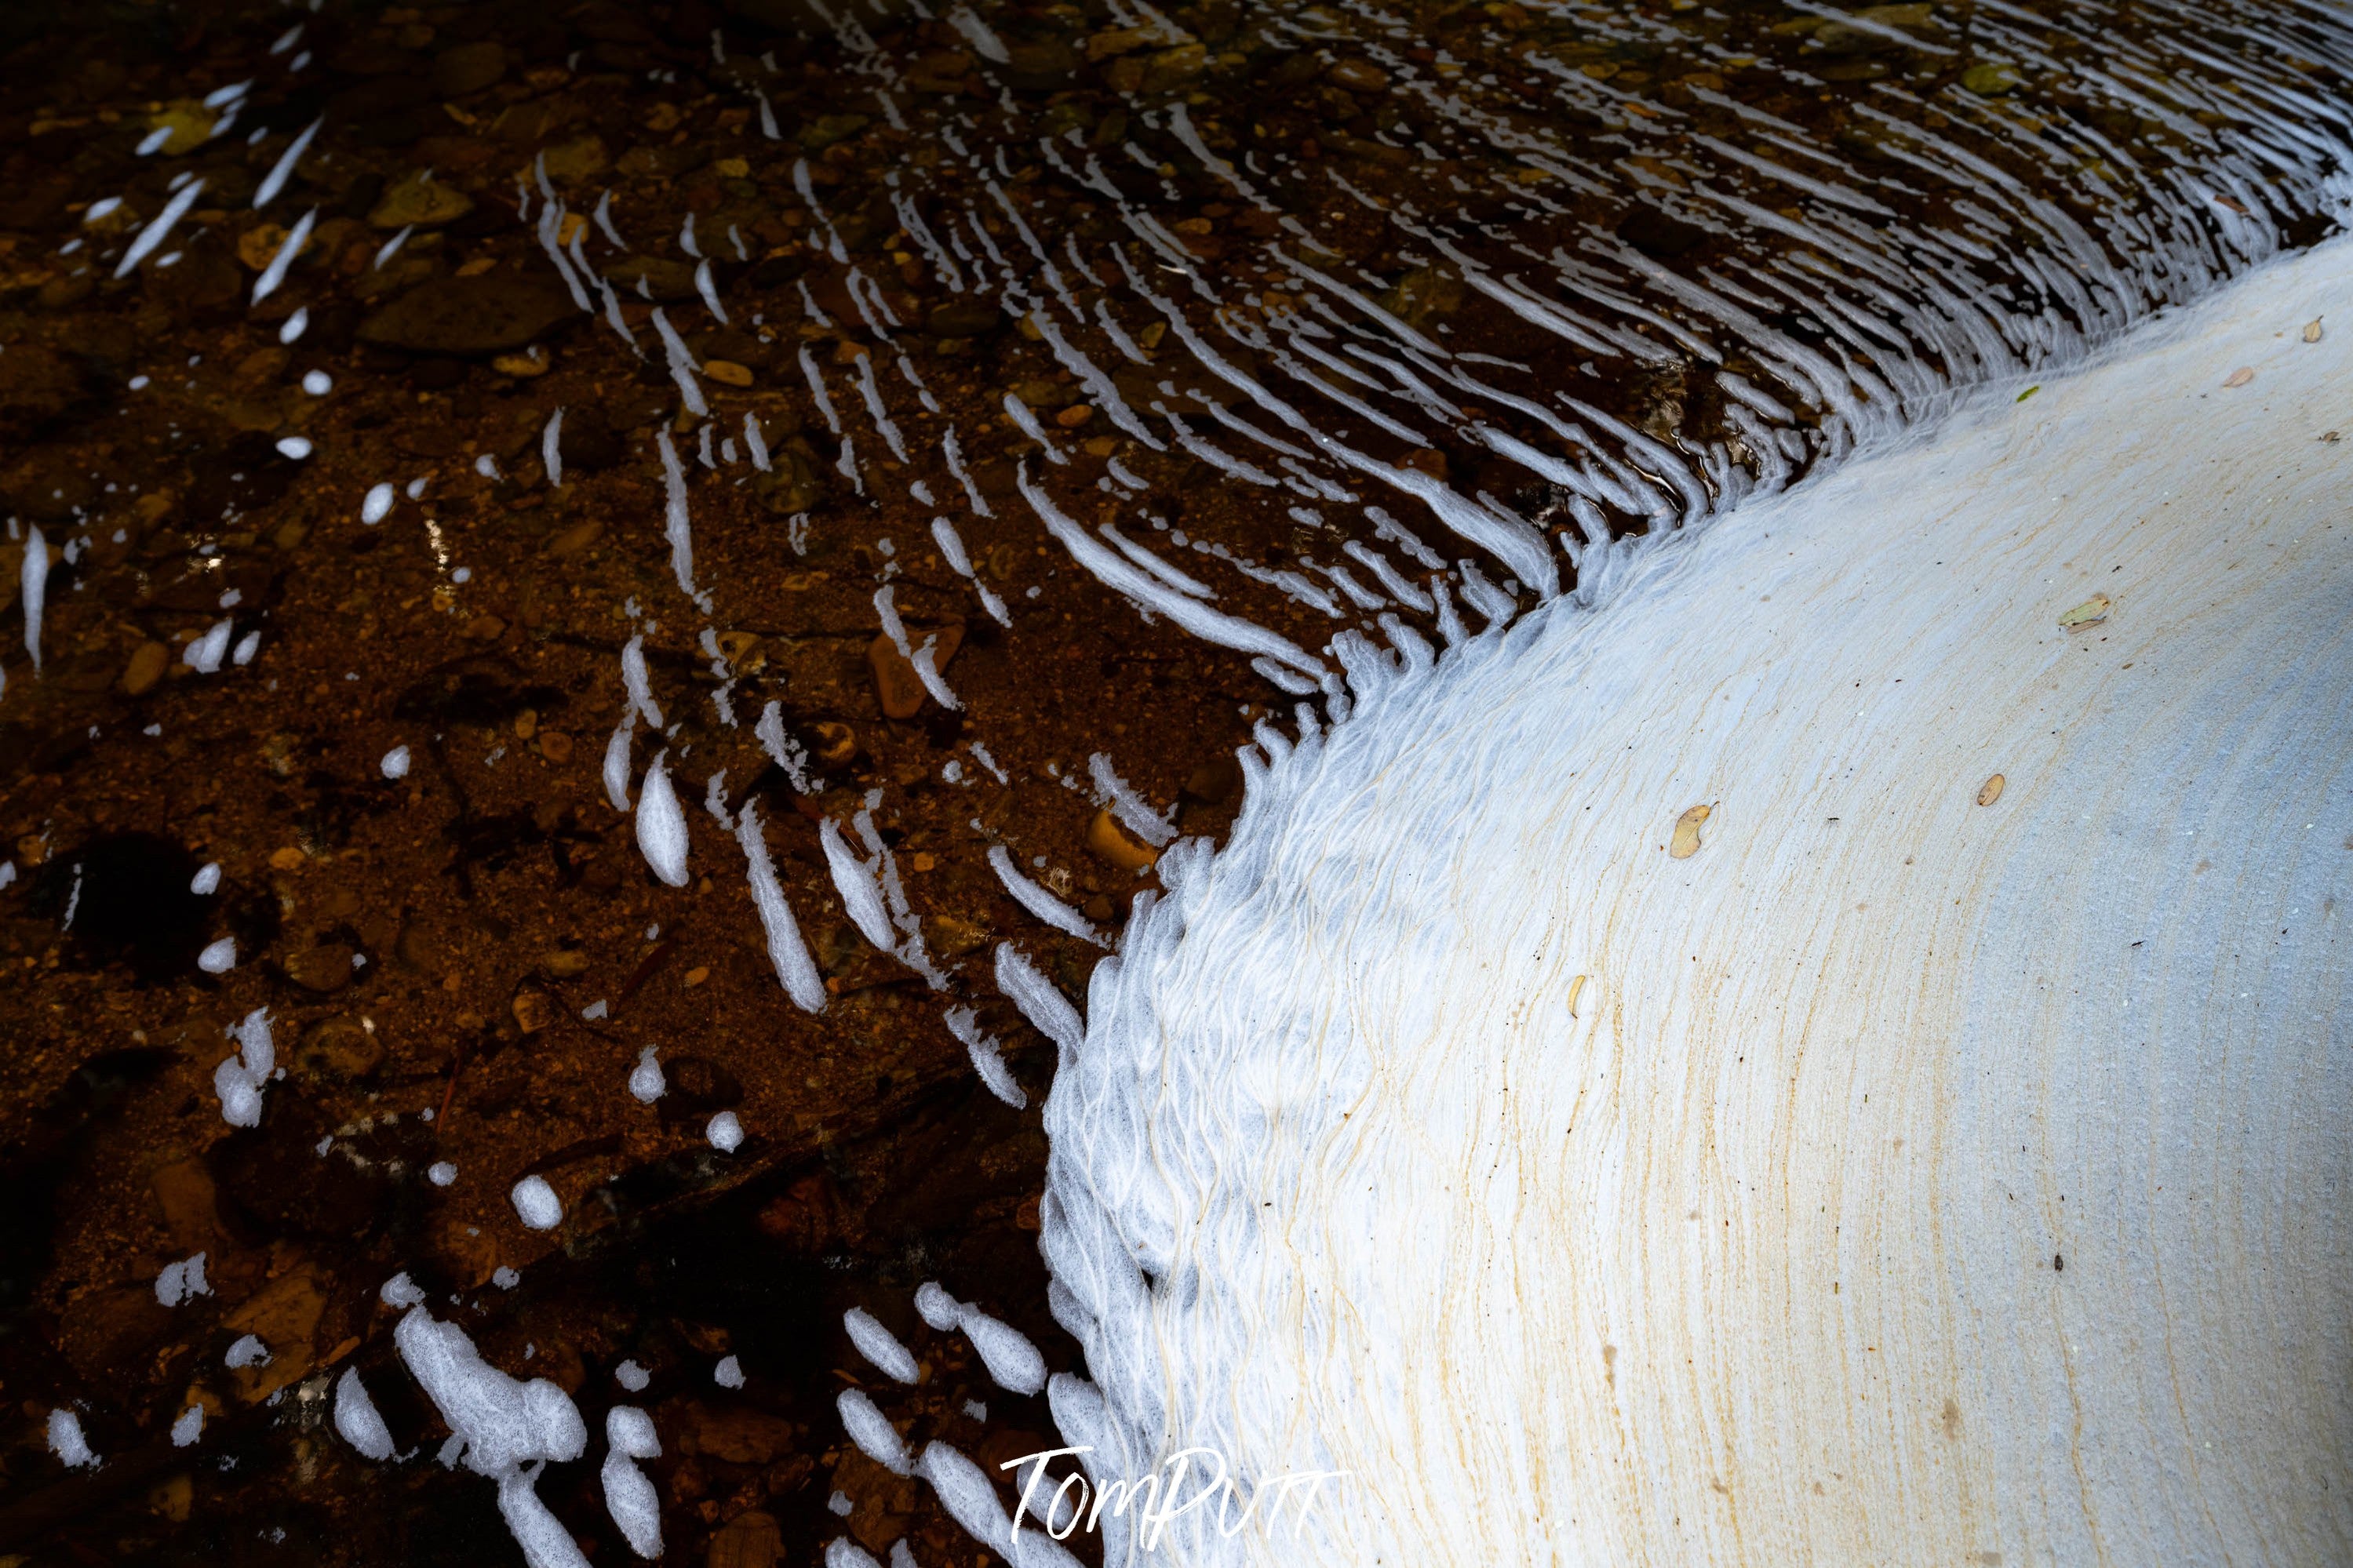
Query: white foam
{"points": [[356, 1420], [67, 1442], [661, 825], [872, 1432], [536, 1204], [879, 1345], [629, 1495], [1590, 1197], [181, 1281], [238, 1079], [646, 1081]]}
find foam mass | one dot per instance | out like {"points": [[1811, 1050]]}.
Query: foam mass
{"points": [[1850, 1171]]}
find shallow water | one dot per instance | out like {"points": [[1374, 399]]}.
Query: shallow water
{"points": [[1517, 277]]}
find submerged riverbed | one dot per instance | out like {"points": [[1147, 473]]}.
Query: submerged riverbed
{"points": [[497, 387]]}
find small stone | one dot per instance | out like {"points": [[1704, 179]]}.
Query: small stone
{"points": [[1214, 782], [258, 246], [698, 975], [533, 1009], [323, 970], [1172, 68], [522, 367], [896, 685], [576, 538], [469, 316], [727, 373], [1358, 76], [749, 1540], [262, 365], [964, 319], [468, 68], [1107, 838], [1991, 78], [1076, 415], [425, 203], [148, 663], [283, 1315], [1041, 394], [562, 962], [666, 281], [1118, 41], [584, 158], [190, 124], [341, 1046], [1685, 843]]}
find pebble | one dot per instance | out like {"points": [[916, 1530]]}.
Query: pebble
{"points": [[339, 1047], [837, 744], [148, 662], [322, 969], [468, 68], [1358, 76], [896, 685], [1107, 838], [576, 539], [420, 203], [533, 1009], [469, 316], [748, 1540], [727, 373]]}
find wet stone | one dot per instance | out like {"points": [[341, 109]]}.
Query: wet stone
{"points": [[533, 1009], [423, 202], [322, 969], [896, 685], [341, 1046], [469, 68], [667, 281], [469, 316], [748, 1540], [148, 663]]}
